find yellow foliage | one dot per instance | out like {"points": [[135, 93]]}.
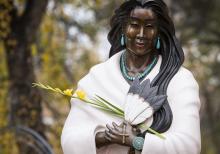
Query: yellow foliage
{"points": [[3, 24], [12, 42], [47, 26], [46, 57], [2, 15], [5, 138], [5, 18], [34, 49], [3, 34], [7, 143]]}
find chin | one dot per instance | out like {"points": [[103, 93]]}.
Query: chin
{"points": [[139, 52]]}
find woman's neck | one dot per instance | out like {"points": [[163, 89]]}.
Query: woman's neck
{"points": [[137, 64]]}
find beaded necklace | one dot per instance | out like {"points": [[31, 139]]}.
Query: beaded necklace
{"points": [[140, 76]]}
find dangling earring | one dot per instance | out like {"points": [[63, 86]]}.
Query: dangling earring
{"points": [[122, 40], [158, 43]]}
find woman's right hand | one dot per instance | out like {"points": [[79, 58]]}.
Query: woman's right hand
{"points": [[117, 135], [101, 140]]}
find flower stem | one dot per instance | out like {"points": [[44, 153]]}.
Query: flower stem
{"points": [[153, 131]]}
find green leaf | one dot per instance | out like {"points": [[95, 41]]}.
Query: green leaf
{"points": [[152, 131], [111, 105]]}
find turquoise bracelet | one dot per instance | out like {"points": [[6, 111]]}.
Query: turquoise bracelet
{"points": [[138, 143]]}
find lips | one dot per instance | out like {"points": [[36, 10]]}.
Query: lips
{"points": [[140, 44]]}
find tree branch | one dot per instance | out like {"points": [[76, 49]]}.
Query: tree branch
{"points": [[31, 18]]}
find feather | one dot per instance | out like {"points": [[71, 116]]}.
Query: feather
{"points": [[145, 85], [128, 107], [137, 110], [142, 101], [152, 92], [157, 101], [134, 89]]}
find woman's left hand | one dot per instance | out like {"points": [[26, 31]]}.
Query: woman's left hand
{"points": [[121, 134]]}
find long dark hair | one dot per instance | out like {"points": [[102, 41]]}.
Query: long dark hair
{"points": [[171, 51]]}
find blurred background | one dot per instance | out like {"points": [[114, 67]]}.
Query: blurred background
{"points": [[55, 42]]}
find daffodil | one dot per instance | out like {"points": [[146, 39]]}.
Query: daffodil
{"points": [[80, 94], [104, 105], [68, 92]]}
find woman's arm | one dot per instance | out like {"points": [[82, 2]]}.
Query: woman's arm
{"points": [[78, 135], [184, 134]]}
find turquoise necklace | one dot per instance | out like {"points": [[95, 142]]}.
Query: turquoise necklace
{"points": [[140, 76]]}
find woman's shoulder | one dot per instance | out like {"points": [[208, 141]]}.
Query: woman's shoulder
{"points": [[102, 67], [184, 74], [106, 65], [182, 79]]}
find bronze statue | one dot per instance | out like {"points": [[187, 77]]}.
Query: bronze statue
{"points": [[145, 50]]}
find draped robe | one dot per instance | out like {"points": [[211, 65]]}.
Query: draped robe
{"points": [[106, 80]]}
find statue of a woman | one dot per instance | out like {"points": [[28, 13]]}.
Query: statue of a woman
{"points": [[143, 47]]}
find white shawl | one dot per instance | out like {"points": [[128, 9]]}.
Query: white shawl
{"points": [[106, 80]]}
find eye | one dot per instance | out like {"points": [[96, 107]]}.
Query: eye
{"points": [[134, 25], [149, 26]]}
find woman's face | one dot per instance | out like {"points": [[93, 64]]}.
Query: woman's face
{"points": [[141, 31]]}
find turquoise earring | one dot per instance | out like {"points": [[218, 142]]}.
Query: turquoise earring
{"points": [[158, 43], [122, 40]]}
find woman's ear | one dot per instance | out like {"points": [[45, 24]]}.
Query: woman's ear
{"points": [[125, 25], [124, 28]]}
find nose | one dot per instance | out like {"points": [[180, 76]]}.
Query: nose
{"points": [[141, 32]]}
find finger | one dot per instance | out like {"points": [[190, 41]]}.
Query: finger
{"points": [[138, 130], [125, 123], [116, 127], [108, 126], [113, 131], [134, 129], [113, 123], [121, 125], [108, 134], [110, 129], [107, 137], [129, 126]]}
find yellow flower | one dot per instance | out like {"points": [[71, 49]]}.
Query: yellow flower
{"points": [[68, 92], [80, 94]]}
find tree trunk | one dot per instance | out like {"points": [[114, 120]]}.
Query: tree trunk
{"points": [[213, 125], [24, 101]]}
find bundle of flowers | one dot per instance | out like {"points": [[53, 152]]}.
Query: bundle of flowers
{"points": [[102, 104]]}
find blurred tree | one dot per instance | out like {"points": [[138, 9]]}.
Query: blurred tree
{"points": [[198, 24], [63, 52], [20, 21]]}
